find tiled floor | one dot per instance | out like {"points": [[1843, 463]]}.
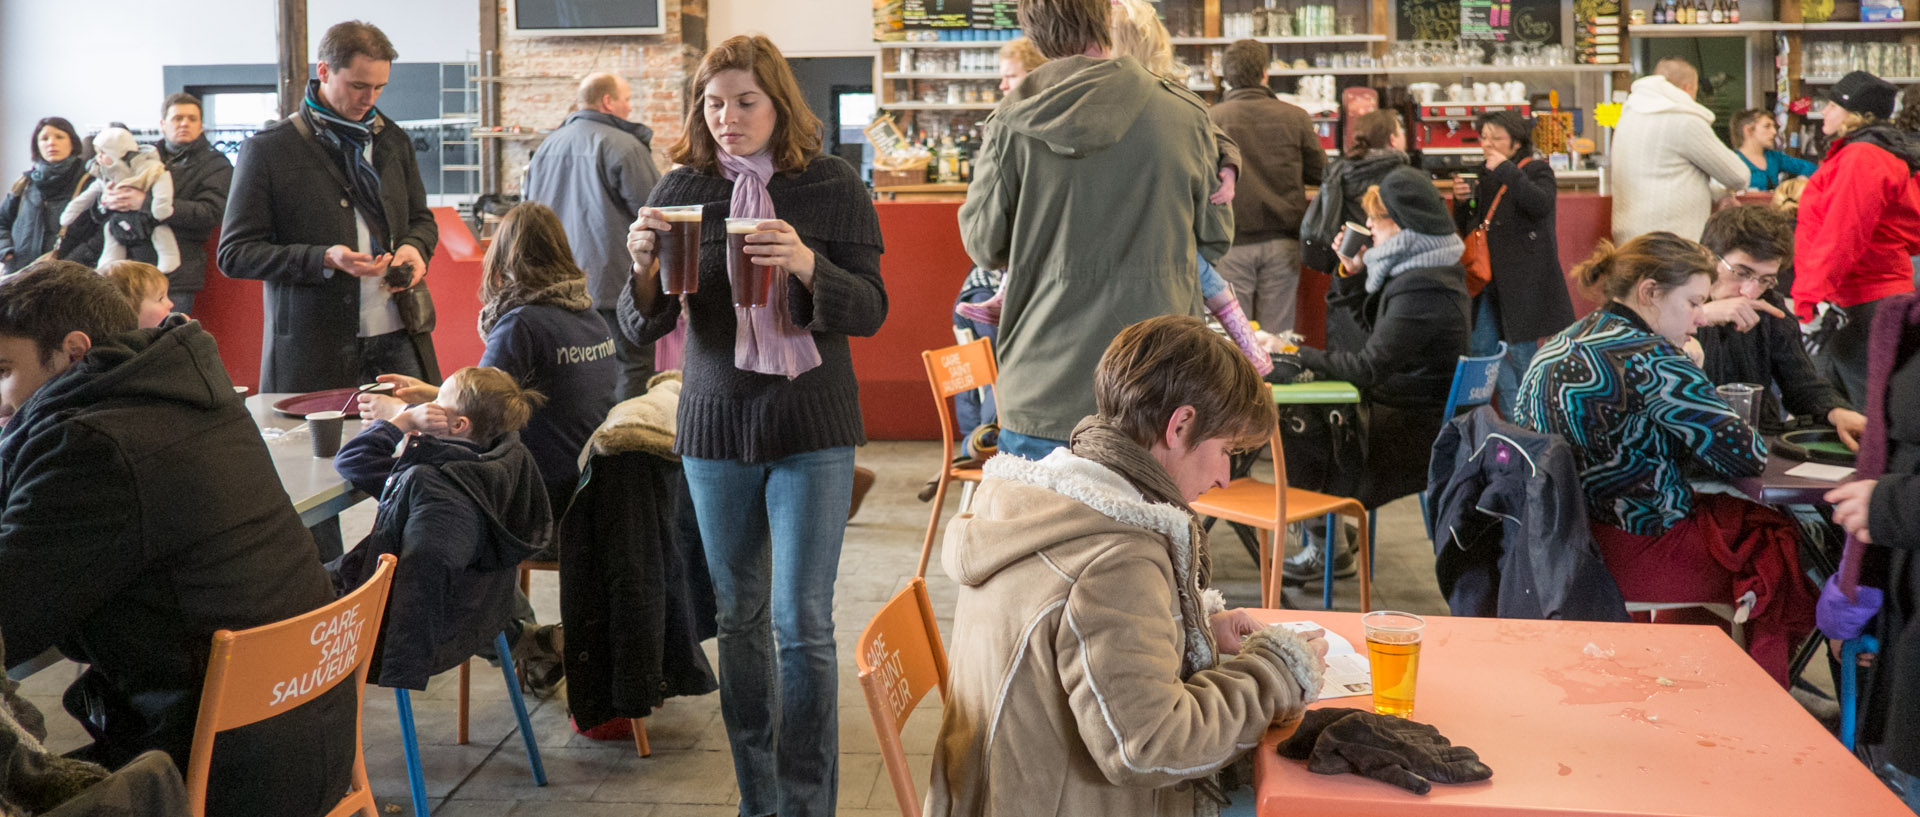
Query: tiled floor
{"points": [[690, 772]]}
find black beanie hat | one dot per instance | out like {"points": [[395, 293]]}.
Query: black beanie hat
{"points": [[1861, 92], [1413, 203]]}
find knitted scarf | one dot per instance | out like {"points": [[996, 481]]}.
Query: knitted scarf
{"points": [[1890, 321], [764, 338], [569, 295], [1406, 250], [1097, 439], [52, 178], [347, 140]]}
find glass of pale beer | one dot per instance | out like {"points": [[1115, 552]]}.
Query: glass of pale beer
{"points": [[752, 283], [679, 250], [1393, 654]]}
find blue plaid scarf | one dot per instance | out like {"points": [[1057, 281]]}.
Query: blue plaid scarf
{"points": [[347, 140]]}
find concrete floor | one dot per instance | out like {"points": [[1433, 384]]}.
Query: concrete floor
{"points": [[690, 771]]}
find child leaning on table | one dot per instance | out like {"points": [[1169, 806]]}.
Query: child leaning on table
{"points": [[461, 504]]}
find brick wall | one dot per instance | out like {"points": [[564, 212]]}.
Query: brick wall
{"points": [[548, 72]]}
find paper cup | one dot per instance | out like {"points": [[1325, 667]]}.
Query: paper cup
{"points": [[325, 428]]}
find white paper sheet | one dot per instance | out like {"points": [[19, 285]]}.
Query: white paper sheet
{"points": [[1348, 673], [1825, 473]]}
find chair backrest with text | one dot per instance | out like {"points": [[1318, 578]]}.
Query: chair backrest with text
{"points": [[269, 670], [900, 658], [953, 370], [1475, 382]]}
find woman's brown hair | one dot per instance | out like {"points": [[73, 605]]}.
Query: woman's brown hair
{"points": [[530, 252], [1373, 132], [1154, 367], [796, 131], [1670, 261]]}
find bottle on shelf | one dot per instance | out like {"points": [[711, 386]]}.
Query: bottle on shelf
{"points": [[949, 160], [1719, 13], [1733, 11]]}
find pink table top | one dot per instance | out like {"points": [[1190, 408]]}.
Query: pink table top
{"points": [[1593, 719]]}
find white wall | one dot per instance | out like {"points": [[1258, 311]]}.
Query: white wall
{"points": [[101, 61], [802, 28]]}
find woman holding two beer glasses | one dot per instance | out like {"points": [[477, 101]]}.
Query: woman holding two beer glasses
{"points": [[771, 252]]}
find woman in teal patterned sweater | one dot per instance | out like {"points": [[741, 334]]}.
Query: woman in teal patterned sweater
{"points": [[1640, 416]]}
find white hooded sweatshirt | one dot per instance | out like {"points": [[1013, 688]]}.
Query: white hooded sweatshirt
{"points": [[1665, 158]]}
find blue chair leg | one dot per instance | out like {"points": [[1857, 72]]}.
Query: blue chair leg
{"points": [[1326, 586], [1849, 685], [1373, 533], [410, 741], [520, 709]]}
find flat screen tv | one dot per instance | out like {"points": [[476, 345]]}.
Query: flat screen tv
{"points": [[577, 18]]}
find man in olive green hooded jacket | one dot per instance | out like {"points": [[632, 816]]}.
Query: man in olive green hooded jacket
{"points": [[1090, 189]]}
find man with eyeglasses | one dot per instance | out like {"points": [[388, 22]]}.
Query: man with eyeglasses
{"points": [[1748, 336]]}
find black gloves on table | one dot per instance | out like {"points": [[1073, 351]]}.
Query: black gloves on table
{"points": [[1392, 750], [1287, 368]]}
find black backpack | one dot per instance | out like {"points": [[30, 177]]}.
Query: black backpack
{"points": [[1323, 220]]}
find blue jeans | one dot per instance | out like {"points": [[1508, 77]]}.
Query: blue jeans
{"points": [[1486, 339], [1025, 447], [772, 533]]}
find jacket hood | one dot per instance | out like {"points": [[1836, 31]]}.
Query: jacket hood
{"points": [[1655, 95], [1079, 105], [502, 481], [1057, 499], [1904, 145], [639, 131], [176, 361]]}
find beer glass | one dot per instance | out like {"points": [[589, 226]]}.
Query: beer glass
{"points": [[1393, 655], [679, 250], [751, 282]]}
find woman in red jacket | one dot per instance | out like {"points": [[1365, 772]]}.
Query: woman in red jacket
{"points": [[1859, 226]]}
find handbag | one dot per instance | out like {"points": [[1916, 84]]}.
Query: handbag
{"points": [[1475, 259], [1323, 446], [416, 308]]}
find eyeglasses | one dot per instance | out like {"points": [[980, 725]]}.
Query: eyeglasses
{"points": [[1745, 273]]}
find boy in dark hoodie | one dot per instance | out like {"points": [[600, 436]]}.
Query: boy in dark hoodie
{"points": [[142, 513], [461, 504]]}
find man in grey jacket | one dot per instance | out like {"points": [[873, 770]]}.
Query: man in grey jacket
{"points": [[1091, 187], [596, 171]]}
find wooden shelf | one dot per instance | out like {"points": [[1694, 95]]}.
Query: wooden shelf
{"points": [[1574, 68], [1334, 38], [939, 106], [987, 44], [1706, 29], [1814, 28], [1314, 72], [975, 75], [1832, 80]]}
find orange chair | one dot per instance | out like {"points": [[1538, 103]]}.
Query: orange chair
{"points": [[951, 371], [247, 666], [466, 682], [899, 658], [1270, 507]]}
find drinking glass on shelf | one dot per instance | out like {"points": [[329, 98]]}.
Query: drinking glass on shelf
{"points": [[1345, 27]]}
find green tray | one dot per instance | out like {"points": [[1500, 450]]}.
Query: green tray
{"points": [[1820, 445], [1316, 392]]}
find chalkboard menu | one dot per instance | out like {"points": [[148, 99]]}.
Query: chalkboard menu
{"points": [[1533, 21], [996, 14], [925, 14]]}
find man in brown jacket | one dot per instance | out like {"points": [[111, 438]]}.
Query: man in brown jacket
{"points": [[1092, 672], [1280, 155]]}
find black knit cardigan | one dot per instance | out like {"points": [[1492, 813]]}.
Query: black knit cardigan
{"points": [[730, 414]]}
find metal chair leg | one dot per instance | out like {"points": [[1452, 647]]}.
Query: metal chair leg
{"points": [[1326, 586], [520, 709], [1849, 685], [1373, 530], [410, 742]]}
